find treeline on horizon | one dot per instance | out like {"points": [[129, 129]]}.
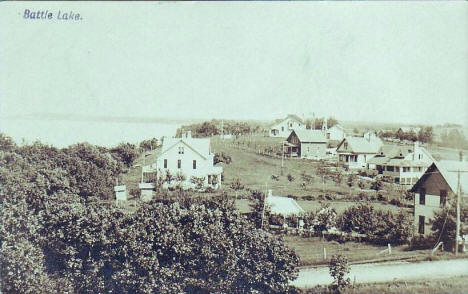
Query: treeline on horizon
{"points": [[238, 128], [453, 137]]}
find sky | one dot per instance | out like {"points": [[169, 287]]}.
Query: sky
{"points": [[403, 62]]}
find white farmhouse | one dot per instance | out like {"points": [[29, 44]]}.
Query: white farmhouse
{"points": [[404, 164], [335, 133], [354, 152], [189, 158], [284, 127]]}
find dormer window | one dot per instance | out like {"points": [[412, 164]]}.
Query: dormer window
{"points": [[181, 150]]}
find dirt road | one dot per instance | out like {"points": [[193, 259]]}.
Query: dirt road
{"points": [[387, 272]]}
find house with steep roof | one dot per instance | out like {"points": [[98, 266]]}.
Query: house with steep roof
{"points": [[335, 133], [188, 160], [283, 206], [354, 152], [435, 188], [404, 164], [310, 144], [282, 128]]}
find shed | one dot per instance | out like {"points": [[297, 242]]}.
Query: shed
{"points": [[284, 206], [146, 191], [120, 193]]}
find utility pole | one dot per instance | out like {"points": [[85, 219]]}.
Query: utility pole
{"points": [[282, 159], [457, 234], [222, 129]]}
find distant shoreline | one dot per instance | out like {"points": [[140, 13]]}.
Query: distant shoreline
{"points": [[89, 118]]}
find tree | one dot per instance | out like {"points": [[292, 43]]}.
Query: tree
{"points": [[376, 185], [199, 248], [125, 152], [350, 182], [237, 186], [339, 268], [221, 157], [426, 134], [444, 224], [199, 182], [150, 144]]}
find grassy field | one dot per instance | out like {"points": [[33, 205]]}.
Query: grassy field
{"points": [[255, 171], [310, 251], [456, 285]]}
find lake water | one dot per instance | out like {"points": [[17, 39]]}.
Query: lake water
{"points": [[61, 133]]}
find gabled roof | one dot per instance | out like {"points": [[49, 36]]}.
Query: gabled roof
{"points": [[448, 169], [283, 205], [198, 145], [309, 136], [410, 129], [336, 126], [395, 156], [290, 116], [361, 145], [294, 117]]}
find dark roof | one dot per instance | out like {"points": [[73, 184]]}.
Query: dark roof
{"points": [[309, 136], [448, 169]]}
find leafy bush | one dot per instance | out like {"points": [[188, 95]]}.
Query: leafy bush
{"points": [[339, 268], [222, 157], [381, 227], [325, 218], [444, 224]]}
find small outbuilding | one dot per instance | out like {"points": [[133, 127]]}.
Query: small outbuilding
{"points": [[283, 205], [146, 191], [120, 193]]}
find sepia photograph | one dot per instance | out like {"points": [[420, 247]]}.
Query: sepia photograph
{"points": [[302, 147]]}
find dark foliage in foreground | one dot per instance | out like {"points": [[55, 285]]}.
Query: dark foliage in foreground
{"points": [[58, 237]]}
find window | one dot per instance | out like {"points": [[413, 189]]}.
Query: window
{"points": [[390, 168], [209, 179], [406, 169], [165, 163], [397, 180], [282, 129], [422, 196], [179, 163], [194, 164], [181, 150], [422, 220], [397, 169], [443, 197]]}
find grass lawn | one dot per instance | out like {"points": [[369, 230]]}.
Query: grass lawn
{"points": [[455, 285], [310, 251]]}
